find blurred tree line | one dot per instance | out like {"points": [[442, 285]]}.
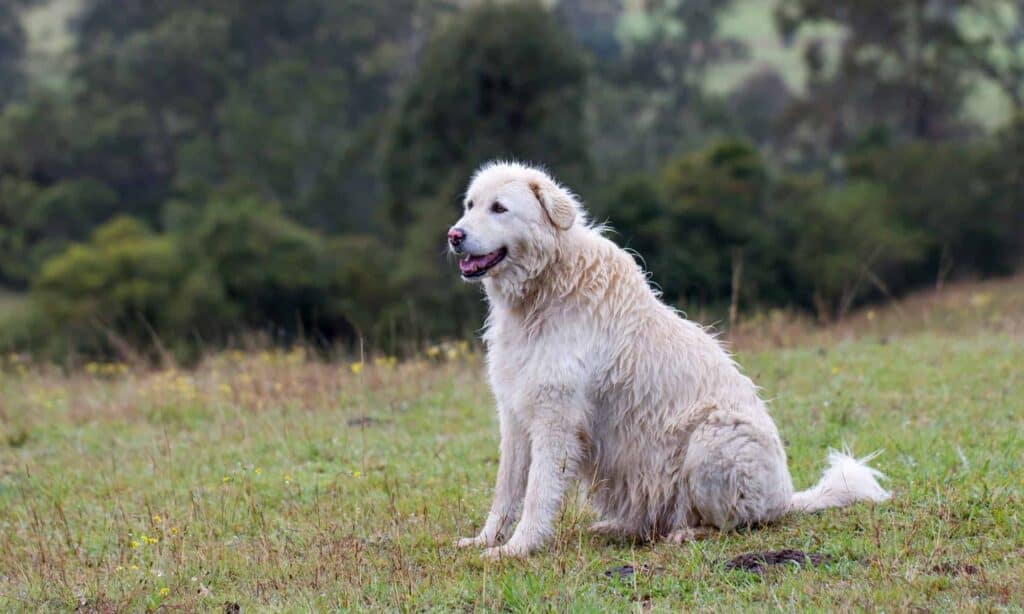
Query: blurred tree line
{"points": [[212, 168]]}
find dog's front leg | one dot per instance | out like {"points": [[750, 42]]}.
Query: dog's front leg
{"points": [[513, 464], [555, 451]]}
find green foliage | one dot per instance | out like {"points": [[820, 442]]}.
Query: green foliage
{"points": [[706, 213], [895, 69], [12, 50], [843, 243], [481, 92], [112, 291], [225, 269], [272, 270], [717, 217], [286, 149], [484, 92], [38, 222], [668, 51], [298, 162], [955, 196]]}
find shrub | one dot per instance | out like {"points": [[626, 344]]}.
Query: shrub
{"points": [[111, 293], [843, 243]]}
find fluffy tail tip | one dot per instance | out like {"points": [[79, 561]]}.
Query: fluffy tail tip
{"points": [[846, 481]]}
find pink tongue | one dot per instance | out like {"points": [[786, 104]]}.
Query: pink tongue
{"points": [[473, 263]]}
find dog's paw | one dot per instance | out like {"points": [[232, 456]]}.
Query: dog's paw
{"points": [[508, 551], [688, 534], [470, 542]]}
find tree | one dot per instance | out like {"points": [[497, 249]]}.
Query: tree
{"points": [[757, 105], [955, 196], [992, 33], [12, 49], [481, 92], [484, 92], [39, 222], [650, 102], [895, 70], [703, 226], [288, 99], [720, 192], [296, 151]]}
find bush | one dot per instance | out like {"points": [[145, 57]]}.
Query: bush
{"points": [[279, 277], [39, 222], [955, 197], [112, 293], [702, 224], [228, 269], [844, 242]]}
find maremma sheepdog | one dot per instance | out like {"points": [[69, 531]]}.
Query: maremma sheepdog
{"points": [[597, 381]]}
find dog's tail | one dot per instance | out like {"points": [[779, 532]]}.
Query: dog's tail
{"points": [[846, 481]]}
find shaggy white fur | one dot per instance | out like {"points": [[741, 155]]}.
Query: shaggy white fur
{"points": [[597, 380]]}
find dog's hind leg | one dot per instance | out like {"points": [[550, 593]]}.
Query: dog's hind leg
{"points": [[736, 473]]}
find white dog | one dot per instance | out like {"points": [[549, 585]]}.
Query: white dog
{"points": [[597, 380]]}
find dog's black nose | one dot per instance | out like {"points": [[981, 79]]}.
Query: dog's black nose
{"points": [[456, 236]]}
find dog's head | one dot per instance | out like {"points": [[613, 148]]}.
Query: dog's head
{"points": [[513, 218]]}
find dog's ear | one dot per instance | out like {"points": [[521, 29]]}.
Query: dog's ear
{"points": [[559, 205]]}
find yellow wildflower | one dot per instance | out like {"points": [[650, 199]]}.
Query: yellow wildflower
{"points": [[385, 361], [356, 367], [165, 591], [981, 299], [133, 544]]}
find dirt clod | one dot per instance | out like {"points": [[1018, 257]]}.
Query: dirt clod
{"points": [[758, 562]]}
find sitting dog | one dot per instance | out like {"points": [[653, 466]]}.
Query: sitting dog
{"points": [[597, 380]]}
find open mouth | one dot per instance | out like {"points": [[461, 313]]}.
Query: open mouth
{"points": [[475, 266]]}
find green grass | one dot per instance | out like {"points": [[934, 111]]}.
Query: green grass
{"points": [[279, 483]]}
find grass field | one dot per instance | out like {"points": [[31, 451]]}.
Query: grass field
{"points": [[276, 482]]}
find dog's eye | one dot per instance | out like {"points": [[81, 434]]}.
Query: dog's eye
{"points": [[498, 208], [469, 205]]}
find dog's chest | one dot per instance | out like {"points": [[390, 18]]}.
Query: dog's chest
{"points": [[523, 364]]}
